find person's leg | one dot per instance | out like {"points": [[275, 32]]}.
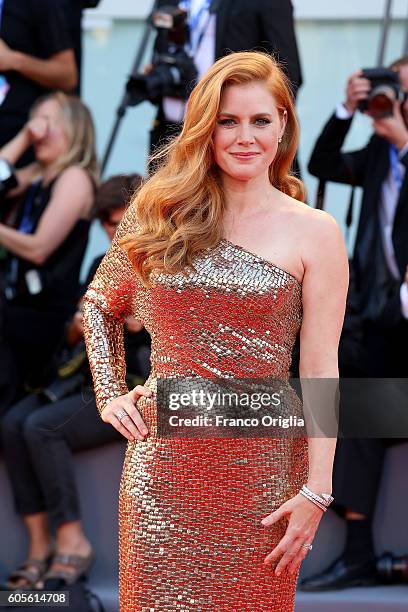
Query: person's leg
{"points": [[356, 478], [28, 498], [52, 433]]}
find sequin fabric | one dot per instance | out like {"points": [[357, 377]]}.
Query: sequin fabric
{"points": [[191, 538]]}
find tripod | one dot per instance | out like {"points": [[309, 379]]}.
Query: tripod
{"points": [[126, 98]]}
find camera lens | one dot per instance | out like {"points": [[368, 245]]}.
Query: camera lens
{"points": [[381, 102]]}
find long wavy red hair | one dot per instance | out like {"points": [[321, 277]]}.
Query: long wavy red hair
{"points": [[180, 207]]}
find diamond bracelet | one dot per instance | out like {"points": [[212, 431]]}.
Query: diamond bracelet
{"points": [[323, 501]]}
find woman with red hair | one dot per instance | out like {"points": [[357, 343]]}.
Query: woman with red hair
{"points": [[221, 260]]}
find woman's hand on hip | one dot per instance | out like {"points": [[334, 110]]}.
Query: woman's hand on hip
{"points": [[304, 518], [122, 413]]}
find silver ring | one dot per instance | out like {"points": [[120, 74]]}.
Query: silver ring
{"points": [[121, 415], [309, 546]]}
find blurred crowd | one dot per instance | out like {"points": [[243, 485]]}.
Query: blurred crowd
{"points": [[50, 193]]}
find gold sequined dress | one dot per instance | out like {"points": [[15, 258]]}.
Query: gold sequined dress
{"points": [[191, 537]]}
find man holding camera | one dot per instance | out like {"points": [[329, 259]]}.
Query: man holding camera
{"points": [[218, 27], [380, 270]]}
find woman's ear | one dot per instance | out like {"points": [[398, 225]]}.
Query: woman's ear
{"points": [[283, 121]]}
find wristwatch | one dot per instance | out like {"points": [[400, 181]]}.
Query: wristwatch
{"points": [[7, 177]]}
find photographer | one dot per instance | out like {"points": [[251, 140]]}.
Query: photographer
{"points": [[41, 432], [381, 293], [48, 206], [218, 27], [36, 56]]}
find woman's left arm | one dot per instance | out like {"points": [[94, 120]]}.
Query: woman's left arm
{"points": [[71, 199], [324, 293]]}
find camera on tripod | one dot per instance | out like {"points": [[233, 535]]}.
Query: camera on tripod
{"points": [[173, 71], [385, 90]]}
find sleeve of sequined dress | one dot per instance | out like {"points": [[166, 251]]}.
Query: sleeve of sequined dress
{"points": [[110, 297]]}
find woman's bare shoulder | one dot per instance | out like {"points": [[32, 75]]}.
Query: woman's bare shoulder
{"points": [[76, 174], [313, 223]]}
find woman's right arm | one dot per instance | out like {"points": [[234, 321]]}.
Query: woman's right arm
{"points": [[110, 298]]}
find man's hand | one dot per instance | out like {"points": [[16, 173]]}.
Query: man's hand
{"points": [[393, 128], [6, 57], [148, 68], [75, 329], [357, 89]]}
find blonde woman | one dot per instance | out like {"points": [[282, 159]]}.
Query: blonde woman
{"points": [[44, 233], [222, 262]]}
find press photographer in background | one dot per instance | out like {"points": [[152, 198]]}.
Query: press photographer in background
{"points": [[40, 433], [215, 28], [380, 293], [47, 208]]}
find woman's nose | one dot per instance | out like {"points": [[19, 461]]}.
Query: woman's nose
{"points": [[245, 135]]}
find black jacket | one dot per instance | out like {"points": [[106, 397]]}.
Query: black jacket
{"points": [[366, 168], [265, 25], [244, 25]]}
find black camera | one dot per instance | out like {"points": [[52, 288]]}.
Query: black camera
{"points": [[392, 569], [385, 89], [174, 73]]}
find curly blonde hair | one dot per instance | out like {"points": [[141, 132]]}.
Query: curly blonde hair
{"points": [[180, 208]]}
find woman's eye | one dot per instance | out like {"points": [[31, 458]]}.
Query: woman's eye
{"points": [[262, 121], [226, 121]]}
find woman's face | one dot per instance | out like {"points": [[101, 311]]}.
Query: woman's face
{"points": [[247, 131], [54, 140]]}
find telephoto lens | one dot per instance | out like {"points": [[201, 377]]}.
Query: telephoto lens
{"points": [[385, 90]]}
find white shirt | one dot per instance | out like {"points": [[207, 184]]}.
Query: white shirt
{"points": [[203, 47], [388, 206]]}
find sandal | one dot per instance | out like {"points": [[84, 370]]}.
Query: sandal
{"points": [[81, 566], [32, 570]]}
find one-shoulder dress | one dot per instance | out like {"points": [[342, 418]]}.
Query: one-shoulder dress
{"points": [[190, 510]]}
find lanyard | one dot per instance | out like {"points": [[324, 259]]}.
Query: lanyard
{"points": [[395, 168], [1, 10], [27, 222], [25, 226]]}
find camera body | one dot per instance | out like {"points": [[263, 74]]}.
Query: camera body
{"points": [[385, 90], [174, 73]]}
